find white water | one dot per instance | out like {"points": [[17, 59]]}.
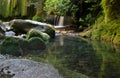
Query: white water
{"points": [[61, 21]]}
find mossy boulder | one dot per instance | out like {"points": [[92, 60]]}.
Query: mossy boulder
{"points": [[36, 43], [21, 26], [37, 33], [10, 46], [24, 44], [50, 30]]}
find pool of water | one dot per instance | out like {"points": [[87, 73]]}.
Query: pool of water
{"points": [[75, 57]]}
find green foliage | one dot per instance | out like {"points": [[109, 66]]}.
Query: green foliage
{"points": [[50, 31], [10, 46], [36, 43], [13, 7], [59, 7], [109, 31], [38, 18], [111, 9], [37, 33], [87, 10]]}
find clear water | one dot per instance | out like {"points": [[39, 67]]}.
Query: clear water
{"points": [[79, 58]]}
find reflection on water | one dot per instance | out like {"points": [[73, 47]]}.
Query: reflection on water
{"points": [[77, 58], [61, 40]]}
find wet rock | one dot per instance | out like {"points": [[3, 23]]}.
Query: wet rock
{"points": [[1, 30], [23, 68], [9, 34], [24, 26]]}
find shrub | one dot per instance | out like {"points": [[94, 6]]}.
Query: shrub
{"points": [[109, 31], [36, 43], [36, 33], [50, 31], [37, 18], [10, 46], [111, 9]]}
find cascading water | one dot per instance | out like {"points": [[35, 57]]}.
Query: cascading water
{"points": [[56, 20], [59, 21]]}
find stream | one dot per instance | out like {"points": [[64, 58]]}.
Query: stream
{"points": [[75, 57]]}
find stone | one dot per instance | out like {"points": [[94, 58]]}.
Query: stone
{"points": [[24, 68], [1, 30], [25, 25], [9, 34]]}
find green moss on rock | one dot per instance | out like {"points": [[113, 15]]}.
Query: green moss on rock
{"points": [[37, 33], [24, 44], [10, 46], [36, 43], [50, 31]]}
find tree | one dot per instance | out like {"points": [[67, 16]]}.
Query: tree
{"points": [[13, 7]]}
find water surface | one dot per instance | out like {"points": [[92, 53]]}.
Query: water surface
{"points": [[79, 58]]}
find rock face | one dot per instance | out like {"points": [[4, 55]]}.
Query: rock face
{"points": [[23, 68]]}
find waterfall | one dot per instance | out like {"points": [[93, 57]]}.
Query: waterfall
{"points": [[58, 20], [61, 21]]}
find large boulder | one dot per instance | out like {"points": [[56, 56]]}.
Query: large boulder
{"points": [[23, 26], [10, 46], [23, 68], [36, 43], [21, 46], [50, 30], [36, 33]]}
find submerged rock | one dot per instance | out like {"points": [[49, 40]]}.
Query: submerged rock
{"points": [[23, 68]]}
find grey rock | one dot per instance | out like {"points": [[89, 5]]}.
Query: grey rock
{"points": [[23, 68], [1, 31], [26, 25]]}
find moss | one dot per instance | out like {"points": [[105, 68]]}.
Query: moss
{"points": [[24, 44], [116, 39], [36, 33], [36, 43], [50, 31], [109, 31], [111, 9], [37, 18], [10, 46]]}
